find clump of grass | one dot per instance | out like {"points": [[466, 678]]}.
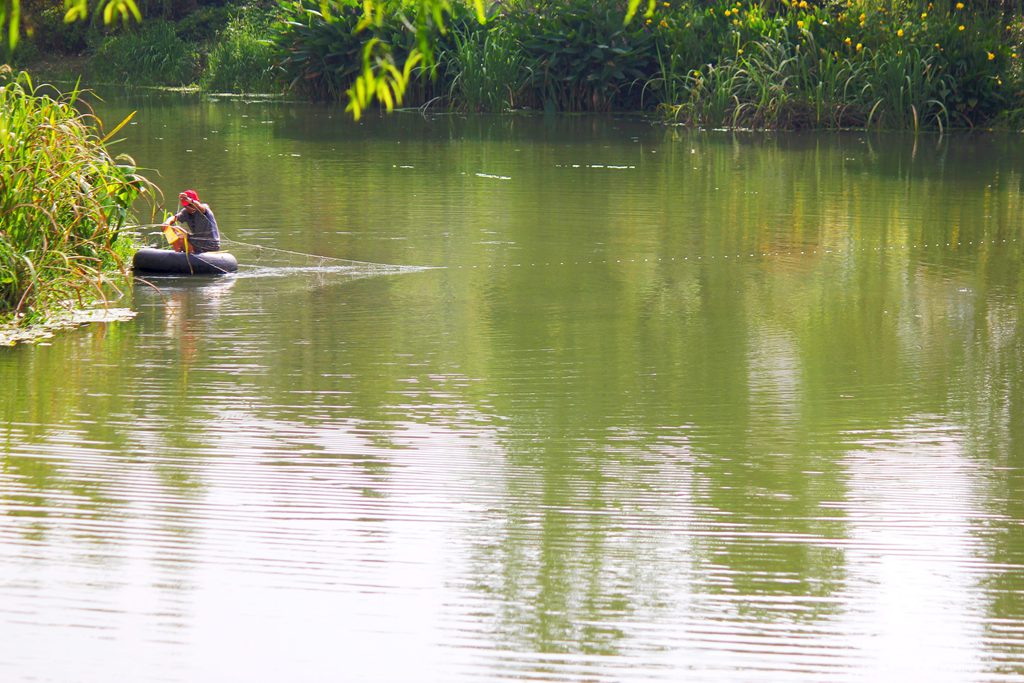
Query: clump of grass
{"points": [[64, 201], [580, 55], [152, 54], [488, 68], [242, 60]]}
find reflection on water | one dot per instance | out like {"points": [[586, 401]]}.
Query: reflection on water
{"points": [[674, 405]]}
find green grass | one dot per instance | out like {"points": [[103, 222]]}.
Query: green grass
{"points": [[242, 59], [64, 201], [151, 54], [488, 70]]}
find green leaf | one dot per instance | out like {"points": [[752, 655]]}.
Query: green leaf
{"points": [[118, 127]]}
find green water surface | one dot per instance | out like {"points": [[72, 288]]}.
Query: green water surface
{"points": [[647, 404]]}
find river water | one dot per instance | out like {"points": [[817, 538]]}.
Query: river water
{"points": [[634, 403]]}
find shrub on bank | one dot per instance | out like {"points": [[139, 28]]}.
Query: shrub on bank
{"points": [[899, 65], [242, 60], [320, 57], [150, 54], [581, 57], [64, 200]]}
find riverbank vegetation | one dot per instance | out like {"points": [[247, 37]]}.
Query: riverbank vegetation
{"points": [[64, 202], [907, 64], [796, 64], [893, 64]]}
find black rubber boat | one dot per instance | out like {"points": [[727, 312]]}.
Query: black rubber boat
{"points": [[148, 261]]}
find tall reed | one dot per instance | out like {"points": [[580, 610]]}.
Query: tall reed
{"points": [[64, 200], [488, 68]]}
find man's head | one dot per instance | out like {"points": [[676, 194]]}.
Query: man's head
{"points": [[186, 196]]}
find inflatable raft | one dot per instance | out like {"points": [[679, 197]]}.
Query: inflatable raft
{"points": [[148, 261]]}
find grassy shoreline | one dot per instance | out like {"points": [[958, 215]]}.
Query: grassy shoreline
{"points": [[65, 205]]}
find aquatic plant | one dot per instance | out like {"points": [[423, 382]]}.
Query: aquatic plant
{"points": [[64, 200]]}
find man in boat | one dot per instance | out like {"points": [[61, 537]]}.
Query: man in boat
{"points": [[197, 228]]}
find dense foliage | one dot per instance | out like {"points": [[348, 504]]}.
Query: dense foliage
{"points": [[242, 58], [780, 63], [151, 54], [64, 200]]}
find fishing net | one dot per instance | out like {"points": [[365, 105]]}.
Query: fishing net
{"points": [[258, 260]]}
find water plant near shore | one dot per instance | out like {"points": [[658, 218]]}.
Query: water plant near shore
{"points": [[64, 200]]}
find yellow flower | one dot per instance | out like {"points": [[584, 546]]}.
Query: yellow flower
{"points": [[848, 41], [991, 56], [648, 22], [663, 24], [800, 24], [667, 4], [959, 5], [735, 22], [1013, 55], [740, 51], [899, 33], [803, 4], [999, 81], [863, 17], [728, 12], [937, 46], [960, 27], [924, 15], [859, 47]]}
